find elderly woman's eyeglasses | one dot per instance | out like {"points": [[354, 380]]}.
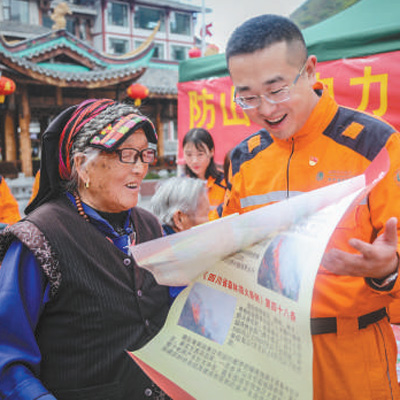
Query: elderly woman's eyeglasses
{"points": [[131, 156], [274, 96]]}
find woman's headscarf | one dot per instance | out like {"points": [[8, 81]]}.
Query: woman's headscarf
{"points": [[104, 124]]}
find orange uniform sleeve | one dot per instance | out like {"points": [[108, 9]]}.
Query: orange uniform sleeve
{"points": [[232, 198], [9, 211]]}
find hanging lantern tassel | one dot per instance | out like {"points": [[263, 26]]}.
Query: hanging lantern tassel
{"points": [[138, 92], [7, 86]]}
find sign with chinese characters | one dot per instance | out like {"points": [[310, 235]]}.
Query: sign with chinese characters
{"points": [[369, 84]]}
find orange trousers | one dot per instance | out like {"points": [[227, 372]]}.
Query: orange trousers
{"points": [[356, 364]]}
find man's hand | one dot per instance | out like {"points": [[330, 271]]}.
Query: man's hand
{"points": [[376, 260]]}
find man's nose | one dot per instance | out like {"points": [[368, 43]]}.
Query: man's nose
{"points": [[266, 107]]}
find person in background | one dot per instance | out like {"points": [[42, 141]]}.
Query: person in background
{"points": [[180, 203], [9, 210], [198, 152], [72, 299], [305, 142], [35, 186]]}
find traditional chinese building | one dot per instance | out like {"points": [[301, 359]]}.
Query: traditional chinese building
{"points": [[102, 48], [53, 71]]}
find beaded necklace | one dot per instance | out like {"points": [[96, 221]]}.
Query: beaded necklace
{"points": [[80, 207]]}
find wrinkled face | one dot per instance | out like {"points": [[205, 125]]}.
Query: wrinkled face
{"points": [[197, 159], [114, 186], [200, 216], [267, 71]]}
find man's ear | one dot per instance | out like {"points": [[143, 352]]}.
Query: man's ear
{"points": [[311, 69], [179, 220]]}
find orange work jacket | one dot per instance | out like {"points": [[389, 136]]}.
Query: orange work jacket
{"points": [[336, 143], [216, 195], [9, 211]]}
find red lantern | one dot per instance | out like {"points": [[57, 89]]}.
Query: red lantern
{"points": [[194, 52], [138, 92], [7, 86]]}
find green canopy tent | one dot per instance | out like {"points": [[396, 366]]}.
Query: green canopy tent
{"points": [[358, 54], [368, 27]]}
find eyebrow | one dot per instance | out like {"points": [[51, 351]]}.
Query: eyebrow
{"points": [[271, 81], [278, 78]]}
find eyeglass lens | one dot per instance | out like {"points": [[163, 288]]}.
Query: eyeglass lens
{"points": [[131, 156], [275, 97]]}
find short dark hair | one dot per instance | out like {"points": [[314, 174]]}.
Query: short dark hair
{"points": [[200, 137], [263, 31]]}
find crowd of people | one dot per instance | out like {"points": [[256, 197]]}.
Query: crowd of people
{"points": [[72, 298]]}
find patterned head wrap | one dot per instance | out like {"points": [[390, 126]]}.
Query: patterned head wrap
{"points": [[104, 124]]}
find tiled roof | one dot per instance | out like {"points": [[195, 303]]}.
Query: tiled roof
{"points": [[105, 69], [160, 81]]}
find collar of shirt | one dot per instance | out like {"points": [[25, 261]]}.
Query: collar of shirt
{"points": [[121, 241]]}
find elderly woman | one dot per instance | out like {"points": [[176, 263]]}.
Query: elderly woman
{"points": [[180, 204], [72, 299]]}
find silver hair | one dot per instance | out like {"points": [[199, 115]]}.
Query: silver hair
{"points": [[90, 154], [177, 194]]}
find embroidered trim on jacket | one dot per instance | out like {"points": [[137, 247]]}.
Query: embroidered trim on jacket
{"points": [[36, 242]]}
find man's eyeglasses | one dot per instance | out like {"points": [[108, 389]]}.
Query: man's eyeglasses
{"points": [[273, 97], [131, 156]]}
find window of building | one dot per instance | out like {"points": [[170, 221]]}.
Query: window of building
{"points": [[147, 18], [180, 23], [70, 26], [118, 46], [117, 14], [16, 10], [179, 53], [47, 21], [159, 50]]}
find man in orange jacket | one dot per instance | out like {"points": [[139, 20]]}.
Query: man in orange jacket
{"points": [[9, 211], [307, 141]]}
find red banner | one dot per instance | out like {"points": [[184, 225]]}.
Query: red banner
{"points": [[367, 84]]}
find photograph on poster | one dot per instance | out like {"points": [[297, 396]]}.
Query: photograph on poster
{"points": [[208, 312], [276, 274]]}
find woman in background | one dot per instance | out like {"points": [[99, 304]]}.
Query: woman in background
{"points": [[180, 204], [198, 152]]}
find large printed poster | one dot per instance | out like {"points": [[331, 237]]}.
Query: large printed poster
{"points": [[367, 83], [241, 328]]}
